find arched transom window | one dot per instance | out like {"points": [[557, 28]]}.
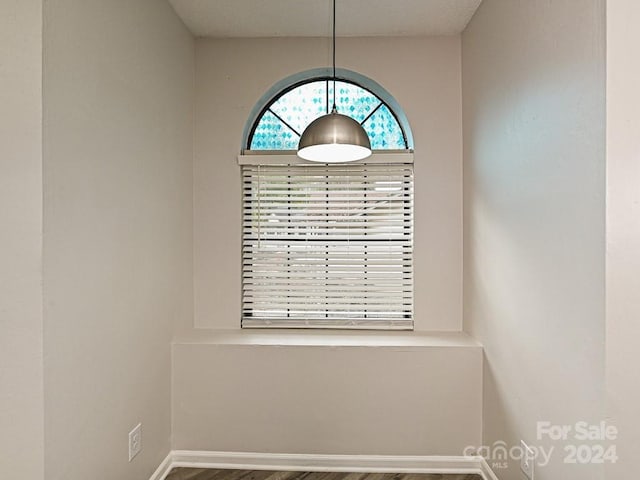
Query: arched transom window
{"points": [[282, 121]]}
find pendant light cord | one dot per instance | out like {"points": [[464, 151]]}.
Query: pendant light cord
{"points": [[334, 55]]}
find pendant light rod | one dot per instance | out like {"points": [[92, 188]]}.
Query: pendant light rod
{"points": [[334, 55]]}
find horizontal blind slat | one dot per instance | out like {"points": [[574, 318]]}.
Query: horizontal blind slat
{"points": [[328, 246]]}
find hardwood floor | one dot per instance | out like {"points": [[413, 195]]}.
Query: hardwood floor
{"points": [[212, 474]]}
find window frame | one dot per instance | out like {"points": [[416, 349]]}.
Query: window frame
{"points": [[286, 84], [289, 157], [328, 79]]}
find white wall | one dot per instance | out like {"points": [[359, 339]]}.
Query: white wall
{"points": [[623, 232], [118, 83], [533, 98], [268, 397], [423, 74], [21, 395], [305, 396]]}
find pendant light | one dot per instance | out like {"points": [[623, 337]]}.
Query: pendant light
{"points": [[334, 138]]}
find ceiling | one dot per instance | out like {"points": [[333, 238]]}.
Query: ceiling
{"points": [[312, 18]]}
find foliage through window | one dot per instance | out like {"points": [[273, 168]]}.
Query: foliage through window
{"points": [[282, 122]]}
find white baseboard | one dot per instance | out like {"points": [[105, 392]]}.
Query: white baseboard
{"points": [[487, 473], [164, 468], [324, 463]]}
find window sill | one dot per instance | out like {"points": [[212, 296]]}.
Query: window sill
{"points": [[315, 338]]}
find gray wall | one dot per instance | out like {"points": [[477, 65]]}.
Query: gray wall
{"points": [[231, 77], [118, 83], [211, 372], [21, 395], [534, 242], [623, 232], [284, 393]]}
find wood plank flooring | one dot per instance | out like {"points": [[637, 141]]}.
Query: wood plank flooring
{"points": [[213, 474]]}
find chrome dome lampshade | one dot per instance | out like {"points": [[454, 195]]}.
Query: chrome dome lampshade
{"points": [[334, 138]]}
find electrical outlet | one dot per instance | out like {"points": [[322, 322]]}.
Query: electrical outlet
{"points": [[528, 460], [135, 441]]}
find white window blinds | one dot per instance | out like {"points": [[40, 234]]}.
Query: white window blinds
{"points": [[328, 246]]}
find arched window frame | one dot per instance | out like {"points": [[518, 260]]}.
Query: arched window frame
{"points": [[290, 83], [384, 219]]}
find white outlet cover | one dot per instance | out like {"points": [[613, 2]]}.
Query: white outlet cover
{"points": [[527, 461], [135, 441]]}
